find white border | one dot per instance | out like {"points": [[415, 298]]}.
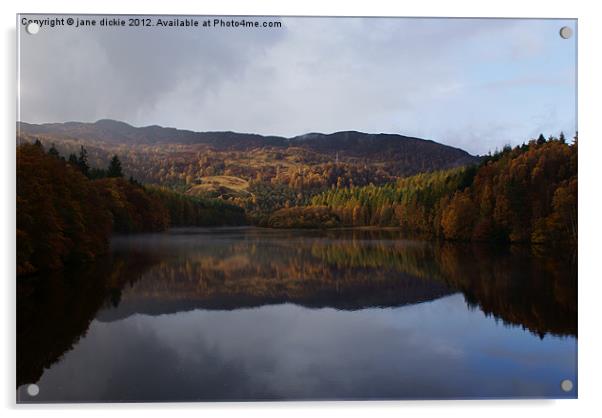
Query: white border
{"points": [[590, 154]]}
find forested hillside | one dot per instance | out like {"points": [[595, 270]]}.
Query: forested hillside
{"points": [[180, 158], [258, 173], [525, 194], [66, 211], [68, 205]]}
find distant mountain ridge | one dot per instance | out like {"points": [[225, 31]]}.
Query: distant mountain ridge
{"points": [[353, 144]]}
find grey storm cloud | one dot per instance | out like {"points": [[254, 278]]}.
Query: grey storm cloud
{"points": [[423, 77], [68, 74]]}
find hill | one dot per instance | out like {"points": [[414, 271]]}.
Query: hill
{"points": [[258, 173], [522, 194], [348, 144]]}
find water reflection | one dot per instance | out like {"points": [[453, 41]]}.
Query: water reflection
{"points": [[203, 296], [55, 310]]}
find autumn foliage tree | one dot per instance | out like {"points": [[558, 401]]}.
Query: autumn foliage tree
{"points": [[304, 217], [65, 217], [185, 210], [522, 194], [60, 215], [457, 220]]}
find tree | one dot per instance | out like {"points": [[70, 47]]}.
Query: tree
{"points": [[53, 151], [458, 218], [565, 207], [73, 160], [541, 139], [114, 169], [60, 215], [82, 161]]}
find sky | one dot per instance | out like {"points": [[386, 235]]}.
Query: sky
{"points": [[476, 84]]}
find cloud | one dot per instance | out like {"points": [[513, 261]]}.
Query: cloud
{"points": [[77, 75], [423, 77]]}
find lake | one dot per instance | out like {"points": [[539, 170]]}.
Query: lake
{"points": [[228, 314]]}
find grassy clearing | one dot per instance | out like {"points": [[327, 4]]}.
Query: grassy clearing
{"points": [[220, 186]]}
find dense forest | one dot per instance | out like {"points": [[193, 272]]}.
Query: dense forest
{"points": [[524, 194], [67, 211], [68, 207], [259, 173]]}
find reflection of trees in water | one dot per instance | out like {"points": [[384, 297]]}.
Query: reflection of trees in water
{"points": [[519, 285], [55, 310], [246, 274], [538, 293], [343, 270], [355, 269]]}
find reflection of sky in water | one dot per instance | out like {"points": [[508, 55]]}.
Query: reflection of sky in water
{"points": [[439, 349]]}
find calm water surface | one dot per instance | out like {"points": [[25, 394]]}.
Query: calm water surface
{"points": [[253, 314]]}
